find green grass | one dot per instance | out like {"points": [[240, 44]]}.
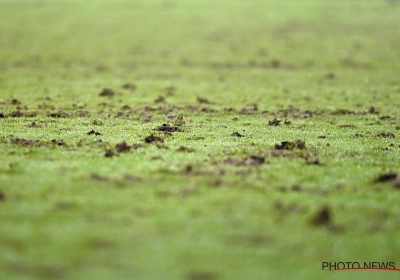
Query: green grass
{"points": [[210, 211]]}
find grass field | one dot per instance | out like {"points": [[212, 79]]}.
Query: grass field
{"points": [[198, 139]]}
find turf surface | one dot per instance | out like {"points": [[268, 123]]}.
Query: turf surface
{"points": [[198, 140]]}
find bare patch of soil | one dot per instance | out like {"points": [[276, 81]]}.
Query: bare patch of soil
{"points": [[322, 217], [106, 92]]}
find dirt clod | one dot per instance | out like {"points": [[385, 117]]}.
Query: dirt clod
{"points": [[386, 177], [274, 122], [237, 134], [296, 188], [15, 102], [109, 153], [160, 99], [386, 135], [16, 114], [122, 147], [93, 132], [2, 196], [58, 142], [106, 92], [184, 149], [288, 145], [152, 138], [167, 128], [2, 116], [254, 160], [322, 217], [130, 86], [25, 142], [34, 125], [202, 100]]}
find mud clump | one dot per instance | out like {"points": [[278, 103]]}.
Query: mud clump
{"points": [[386, 135], [251, 160], [106, 92], [58, 114], [254, 160], [274, 122], [122, 147], [130, 86], [16, 114], [322, 217], [184, 149], [152, 138], [2, 196], [58, 142], [202, 100], [25, 142], [237, 134], [167, 128], [2, 116], [34, 125], [386, 177], [288, 145], [93, 132], [109, 153]]}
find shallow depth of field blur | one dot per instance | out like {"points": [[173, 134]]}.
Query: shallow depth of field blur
{"points": [[198, 139]]}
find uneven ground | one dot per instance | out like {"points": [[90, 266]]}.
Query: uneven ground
{"points": [[198, 139]]}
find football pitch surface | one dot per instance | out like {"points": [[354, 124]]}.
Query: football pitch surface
{"points": [[199, 139]]}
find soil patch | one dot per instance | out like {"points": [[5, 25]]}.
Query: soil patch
{"points": [[152, 138], [386, 177], [93, 132], [58, 142], [322, 217], [167, 128], [288, 145], [106, 92], [274, 122], [25, 142], [122, 147], [237, 134]]}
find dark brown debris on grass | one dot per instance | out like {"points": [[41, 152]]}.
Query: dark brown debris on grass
{"points": [[25, 142], [2, 196], [122, 147], [15, 102], [109, 153], [288, 145], [58, 114], [386, 177], [237, 134], [322, 217], [184, 149], [16, 114], [58, 142], [2, 116], [106, 92], [386, 135], [167, 128], [160, 99], [274, 122], [34, 125], [252, 109], [152, 138], [203, 100], [250, 160], [93, 132], [130, 86]]}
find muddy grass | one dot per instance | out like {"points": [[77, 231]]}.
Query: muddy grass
{"points": [[254, 143]]}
